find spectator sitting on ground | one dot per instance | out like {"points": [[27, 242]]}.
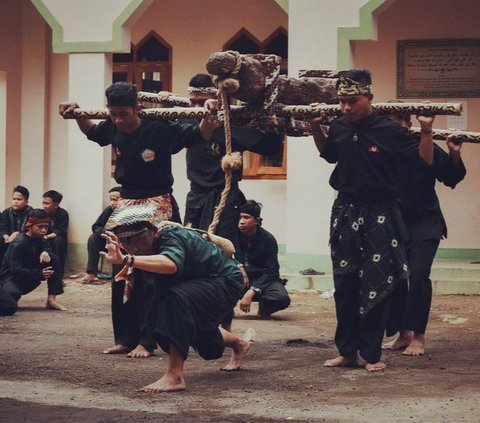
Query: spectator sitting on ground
{"points": [[259, 255], [57, 233], [95, 242], [13, 218]]}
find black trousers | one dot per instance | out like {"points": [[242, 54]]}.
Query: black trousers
{"points": [[272, 299], [189, 313], [355, 334], [8, 305], [16, 287], [412, 300], [129, 318], [95, 244], [59, 248]]}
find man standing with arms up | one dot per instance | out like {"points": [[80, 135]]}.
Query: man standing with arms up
{"points": [[367, 251], [426, 227]]}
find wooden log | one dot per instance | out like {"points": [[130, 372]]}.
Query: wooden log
{"points": [[165, 98], [247, 70], [252, 79], [149, 114], [304, 91], [460, 136], [426, 109]]}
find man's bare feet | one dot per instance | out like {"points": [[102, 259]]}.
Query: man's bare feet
{"points": [[238, 354], [375, 367], [89, 277], [167, 383], [139, 352], [342, 361], [52, 304], [417, 345], [401, 341], [117, 349]]}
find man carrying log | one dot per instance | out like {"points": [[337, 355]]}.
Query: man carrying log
{"points": [[143, 169], [204, 168], [367, 251], [426, 227]]}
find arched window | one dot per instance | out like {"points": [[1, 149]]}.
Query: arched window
{"points": [[148, 65]]}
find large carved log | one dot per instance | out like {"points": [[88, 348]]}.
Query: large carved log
{"points": [[248, 71], [252, 71], [306, 90]]}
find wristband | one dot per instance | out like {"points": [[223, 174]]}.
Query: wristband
{"points": [[125, 259], [131, 261], [425, 132]]}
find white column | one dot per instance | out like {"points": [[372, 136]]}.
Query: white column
{"points": [[34, 94], [312, 45], [88, 171]]}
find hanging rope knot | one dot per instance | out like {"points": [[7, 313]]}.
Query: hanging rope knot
{"points": [[229, 83], [232, 161]]}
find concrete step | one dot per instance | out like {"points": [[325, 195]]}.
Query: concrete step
{"points": [[449, 277]]}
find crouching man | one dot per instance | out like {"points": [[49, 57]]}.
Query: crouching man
{"points": [[28, 261], [196, 285]]}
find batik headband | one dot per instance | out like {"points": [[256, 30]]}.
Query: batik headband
{"points": [[35, 220], [131, 220], [202, 90], [347, 86]]}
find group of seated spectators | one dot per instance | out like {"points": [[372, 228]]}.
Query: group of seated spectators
{"points": [[33, 248]]}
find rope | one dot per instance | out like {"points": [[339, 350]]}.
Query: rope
{"points": [[230, 161]]}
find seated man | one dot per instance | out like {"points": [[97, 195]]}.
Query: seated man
{"points": [[259, 255], [13, 218], [28, 262], [95, 242], [57, 234], [195, 285]]}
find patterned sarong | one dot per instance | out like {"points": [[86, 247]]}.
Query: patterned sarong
{"points": [[161, 203], [363, 239]]}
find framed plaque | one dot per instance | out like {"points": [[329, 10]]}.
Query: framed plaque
{"points": [[438, 68]]}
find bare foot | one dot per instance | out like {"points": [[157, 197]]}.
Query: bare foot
{"points": [[416, 347], [401, 341], [238, 354], [117, 349], [88, 278], [139, 352], [54, 305], [167, 383], [342, 361], [375, 367]]}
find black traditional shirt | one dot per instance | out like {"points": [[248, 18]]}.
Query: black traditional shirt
{"points": [[418, 200], [59, 223], [368, 154], [204, 170], [143, 158], [259, 256], [22, 261], [99, 226], [12, 221]]}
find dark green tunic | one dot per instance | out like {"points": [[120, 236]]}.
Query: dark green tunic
{"points": [[189, 306]]}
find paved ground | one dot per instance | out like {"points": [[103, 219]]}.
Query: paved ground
{"points": [[52, 370]]}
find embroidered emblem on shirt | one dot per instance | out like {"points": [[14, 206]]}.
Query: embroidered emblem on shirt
{"points": [[148, 155], [374, 149]]}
